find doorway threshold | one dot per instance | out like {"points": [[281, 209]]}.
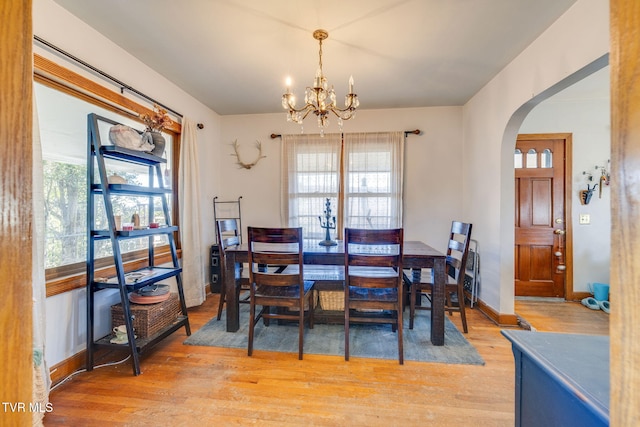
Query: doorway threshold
{"points": [[541, 299]]}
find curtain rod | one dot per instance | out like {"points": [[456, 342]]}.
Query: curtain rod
{"points": [[406, 133], [122, 85]]}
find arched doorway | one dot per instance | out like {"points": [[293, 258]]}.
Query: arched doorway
{"points": [[515, 126]]}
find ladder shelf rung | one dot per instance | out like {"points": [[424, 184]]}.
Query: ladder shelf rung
{"points": [[141, 232], [132, 156], [133, 190]]}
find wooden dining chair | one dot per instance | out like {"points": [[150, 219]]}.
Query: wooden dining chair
{"points": [[229, 235], [457, 252], [283, 289], [373, 281]]}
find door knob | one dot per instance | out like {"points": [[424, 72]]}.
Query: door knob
{"points": [[559, 231]]}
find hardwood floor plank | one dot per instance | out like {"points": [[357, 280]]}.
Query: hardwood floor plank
{"points": [[575, 318], [192, 385]]}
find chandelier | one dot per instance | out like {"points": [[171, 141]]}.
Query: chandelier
{"points": [[320, 99]]}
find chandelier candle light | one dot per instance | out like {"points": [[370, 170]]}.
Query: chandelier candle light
{"points": [[320, 99]]}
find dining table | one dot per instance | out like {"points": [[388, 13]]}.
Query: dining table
{"points": [[416, 256]]}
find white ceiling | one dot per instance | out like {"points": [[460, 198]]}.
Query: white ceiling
{"points": [[234, 55]]}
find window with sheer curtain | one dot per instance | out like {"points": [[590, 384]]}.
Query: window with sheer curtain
{"points": [[360, 173]]}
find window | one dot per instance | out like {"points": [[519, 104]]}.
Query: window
{"points": [[517, 159], [373, 180], [361, 175], [62, 107], [311, 174], [532, 158], [62, 120], [546, 158]]}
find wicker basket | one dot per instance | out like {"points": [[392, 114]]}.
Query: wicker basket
{"points": [[148, 319], [332, 300]]}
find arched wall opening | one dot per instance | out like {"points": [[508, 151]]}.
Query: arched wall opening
{"points": [[507, 225]]}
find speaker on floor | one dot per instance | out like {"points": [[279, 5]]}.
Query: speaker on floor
{"points": [[215, 266]]}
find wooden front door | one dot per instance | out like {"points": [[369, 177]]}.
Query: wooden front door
{"points": [[540, 215]]}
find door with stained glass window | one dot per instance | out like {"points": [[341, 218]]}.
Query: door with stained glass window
{"points": [[540, 234]]}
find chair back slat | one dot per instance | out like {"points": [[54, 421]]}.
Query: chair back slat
{"points": [[374, 237], [277, 235], [229, 241], [373, 260], [454, 262], [276, 279], [457, 246], [374, 282], [275, 258], [459, 227]]}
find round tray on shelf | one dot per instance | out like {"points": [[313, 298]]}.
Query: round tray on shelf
{"points": [[153, 290], [140, 299]]}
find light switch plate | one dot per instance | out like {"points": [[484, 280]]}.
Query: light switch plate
{"points": [[585, 219]]}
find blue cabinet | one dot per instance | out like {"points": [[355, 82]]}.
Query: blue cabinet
{"points": [[561, 379]]}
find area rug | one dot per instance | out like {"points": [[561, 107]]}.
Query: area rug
{"points": [[370, 341]]}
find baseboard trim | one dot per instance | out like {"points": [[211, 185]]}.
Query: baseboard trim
{"points": [[62, 370], [578, 296], [78, 362], [500, 319]]}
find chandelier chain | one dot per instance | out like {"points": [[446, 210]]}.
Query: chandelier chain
{"points": [[320, 59]]}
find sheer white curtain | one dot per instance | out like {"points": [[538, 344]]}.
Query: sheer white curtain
{"points": [[41, 378], [193, 266], [363, 180], [373, 169], [310, 175]]}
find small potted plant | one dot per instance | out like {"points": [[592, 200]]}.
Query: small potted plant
{"points": [[155, 123]]}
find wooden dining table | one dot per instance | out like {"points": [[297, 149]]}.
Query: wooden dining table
{"points": [[416, 255]]}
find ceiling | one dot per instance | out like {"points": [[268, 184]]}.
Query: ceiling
{"points": [[234, 55]]}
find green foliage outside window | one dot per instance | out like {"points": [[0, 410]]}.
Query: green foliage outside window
{"points": [[65, 194]]}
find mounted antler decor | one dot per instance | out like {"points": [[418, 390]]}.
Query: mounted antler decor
{"points": [[605, 179], [585, 195], [240, 162]]}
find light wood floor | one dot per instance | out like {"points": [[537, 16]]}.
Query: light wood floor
{"points": [[191, 385]]}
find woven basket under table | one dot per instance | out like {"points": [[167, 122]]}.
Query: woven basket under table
{"points": [[332, 300]]}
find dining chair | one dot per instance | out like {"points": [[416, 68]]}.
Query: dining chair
{"points": [[457, 252], [284, 288], [373, 289], [229, 235]]}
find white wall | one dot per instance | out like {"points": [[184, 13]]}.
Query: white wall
{"points": [[65, 313], [433, 163], [491, 122], [589, 121]]}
